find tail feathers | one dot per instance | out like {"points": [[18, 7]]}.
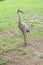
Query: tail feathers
{"points": [[28, 31]]}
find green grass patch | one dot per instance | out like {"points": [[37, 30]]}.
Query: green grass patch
{"points": [[20, 58], [12, 48]]}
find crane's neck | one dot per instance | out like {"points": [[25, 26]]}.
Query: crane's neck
{"points": [[19, 17]]}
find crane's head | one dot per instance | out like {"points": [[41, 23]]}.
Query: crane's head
{"points": [[19, 11]]}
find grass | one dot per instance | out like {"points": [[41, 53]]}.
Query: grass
{"points": [[20, 58], [3, 63], [10, 36]]}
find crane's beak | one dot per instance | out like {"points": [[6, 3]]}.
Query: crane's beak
{"points": [[22, 12]]}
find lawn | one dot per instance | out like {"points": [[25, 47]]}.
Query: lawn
{"points": [[12, 50]]}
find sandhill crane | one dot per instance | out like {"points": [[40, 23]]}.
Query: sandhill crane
{"points": [[23, 27]]}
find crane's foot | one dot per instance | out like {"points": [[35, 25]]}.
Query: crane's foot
{"points": [[25, 44]]}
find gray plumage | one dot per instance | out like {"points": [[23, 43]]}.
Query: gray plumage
{"points": [[23, 26]]}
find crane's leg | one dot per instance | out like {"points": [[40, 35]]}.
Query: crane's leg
{"points": [[25, 39]]}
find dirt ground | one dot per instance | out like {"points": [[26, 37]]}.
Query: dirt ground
{"points": [[30, 55], [16, 57]]}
